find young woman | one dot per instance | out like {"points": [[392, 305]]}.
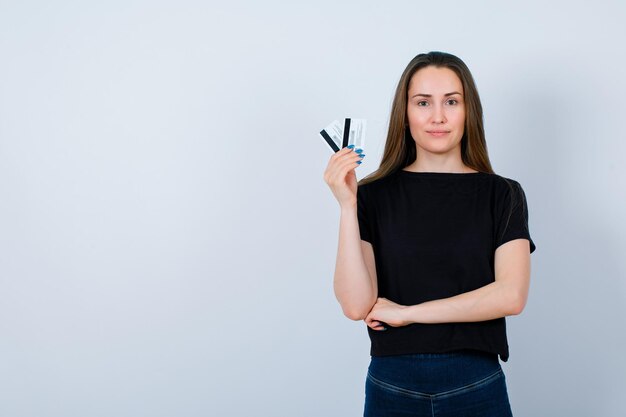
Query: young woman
{"points": [[434, 251]]}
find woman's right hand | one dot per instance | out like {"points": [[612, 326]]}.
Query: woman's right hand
{"points": [[340, 175]]}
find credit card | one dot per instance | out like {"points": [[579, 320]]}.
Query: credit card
{"points": [[339, 135], [333, 135], [356, 134]]}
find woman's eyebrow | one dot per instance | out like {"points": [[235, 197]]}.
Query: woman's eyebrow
{"points": [[430, 95]]}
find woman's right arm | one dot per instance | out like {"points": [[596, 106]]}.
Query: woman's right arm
{"points": [[355, 270]]}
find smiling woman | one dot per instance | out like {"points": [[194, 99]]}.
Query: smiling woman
{"points": [[434, 251]]}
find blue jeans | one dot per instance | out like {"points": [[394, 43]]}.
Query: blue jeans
{"points": [[462, 383]]}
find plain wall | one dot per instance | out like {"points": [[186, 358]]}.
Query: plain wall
{"points": [[167, 242]]}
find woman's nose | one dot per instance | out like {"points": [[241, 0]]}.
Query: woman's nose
{"points": [[438, 115]]}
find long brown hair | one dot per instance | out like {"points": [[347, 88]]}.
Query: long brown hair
{"points": [[400, 148]]}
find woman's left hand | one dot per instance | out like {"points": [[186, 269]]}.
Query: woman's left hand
{"points": [[387, 312]]}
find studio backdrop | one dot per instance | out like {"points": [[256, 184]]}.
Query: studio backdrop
{"points": [[167, 241]]}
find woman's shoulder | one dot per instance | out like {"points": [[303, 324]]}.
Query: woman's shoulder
{"points": [[508, 189], [506, 182]]}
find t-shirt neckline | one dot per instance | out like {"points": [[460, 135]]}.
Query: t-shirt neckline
{"points": [[439, 174]]}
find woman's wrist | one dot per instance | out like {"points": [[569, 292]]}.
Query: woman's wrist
{"points": [[348, 207], [409, 314]]}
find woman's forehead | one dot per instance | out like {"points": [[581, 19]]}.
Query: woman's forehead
{"points": [[435, 81]]}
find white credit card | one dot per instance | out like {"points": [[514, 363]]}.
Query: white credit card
{"points": [[333, 135], [356, 134], [339, 135]]}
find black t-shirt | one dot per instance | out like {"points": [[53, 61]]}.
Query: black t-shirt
{"points": [[434, 236]]}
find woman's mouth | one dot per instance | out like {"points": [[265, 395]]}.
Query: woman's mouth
{"points": [[438, 133]]}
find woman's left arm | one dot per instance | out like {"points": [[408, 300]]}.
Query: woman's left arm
{"points": [[505, 296]]}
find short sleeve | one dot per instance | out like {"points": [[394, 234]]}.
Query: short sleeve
{"points": [[512, 222], [363, 213]]}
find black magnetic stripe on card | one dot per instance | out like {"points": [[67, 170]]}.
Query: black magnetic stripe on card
{"points": [[346, 133], [329, 140]]}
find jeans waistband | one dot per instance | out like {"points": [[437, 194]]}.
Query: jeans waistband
{"points": [[453, 353], [431, 372]]}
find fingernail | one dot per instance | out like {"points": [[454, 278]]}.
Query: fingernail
{"points": [[358, 162], [361, 155], [358, 150], [350, 146]]}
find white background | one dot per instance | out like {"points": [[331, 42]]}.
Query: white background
{"points": [[167, 242]]}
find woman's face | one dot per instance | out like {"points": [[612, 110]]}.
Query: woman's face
{"points": [[435, 103]]}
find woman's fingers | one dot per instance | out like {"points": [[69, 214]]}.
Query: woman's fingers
{"points": [[340, 175], [377, 325], [347, 153], [342, 162]]}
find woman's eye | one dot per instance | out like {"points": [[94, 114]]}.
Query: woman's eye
{"points": [[424, 102]]}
